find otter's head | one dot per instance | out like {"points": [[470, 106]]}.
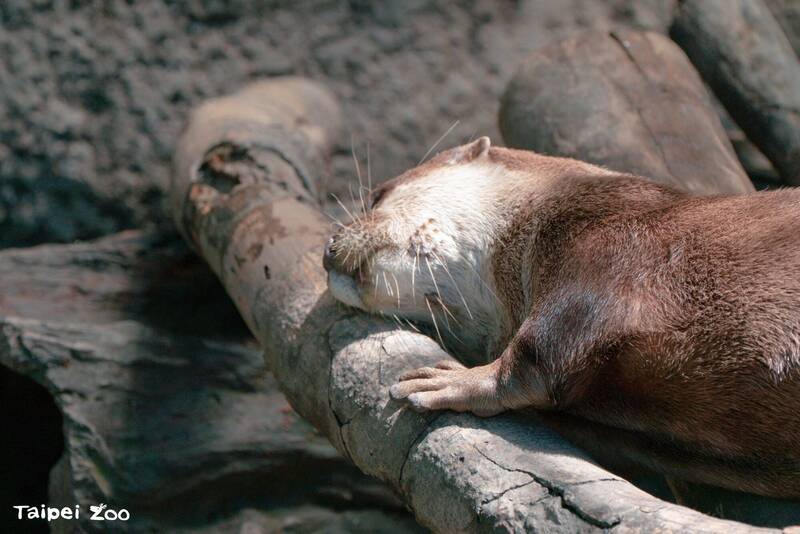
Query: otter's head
{"points": [[422, 250]]}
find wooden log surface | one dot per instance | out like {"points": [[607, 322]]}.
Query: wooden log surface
{"points": [[745, 57], [263, 233]]}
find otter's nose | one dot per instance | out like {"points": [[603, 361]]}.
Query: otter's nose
{"points": [[328, 257]]}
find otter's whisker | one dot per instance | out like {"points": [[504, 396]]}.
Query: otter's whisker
{"points": [[489, 289], [369, 172], [447, 312], [394, 317], [433, 278], [435, 324], [447, 322], [334, 219], [358, 174], [352, 196], [439, 295], [409, 323], [344, 207], [413, 282], [455, 284], [441, 302], [397, 286], [433, 147], [388, 287], [398, 321], [413, 275], [402, 327]]}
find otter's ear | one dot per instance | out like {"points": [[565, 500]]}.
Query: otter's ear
{"points": [[479, 147], [474, 150]]}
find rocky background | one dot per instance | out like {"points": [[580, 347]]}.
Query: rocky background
{"points": [[95, 93], [94, 96]]}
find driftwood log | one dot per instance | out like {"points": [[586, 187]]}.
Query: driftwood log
{"points": [[243, 195], [745, 57]]}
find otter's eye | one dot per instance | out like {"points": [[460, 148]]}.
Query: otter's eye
{"points": [[377, 196]]}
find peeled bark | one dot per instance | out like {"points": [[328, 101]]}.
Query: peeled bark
{"points": [[745, 57], [239, 198]]}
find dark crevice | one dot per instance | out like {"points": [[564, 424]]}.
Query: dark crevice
{"points": [[33, 443], [503, 493], [560, 492], [339, 422], [216, 167], [422, 432]]}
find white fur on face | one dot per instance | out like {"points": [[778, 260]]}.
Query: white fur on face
{"points": [[426, 251], [441, 227], [345, 289]]}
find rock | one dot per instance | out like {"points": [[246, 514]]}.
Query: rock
{"points": [[44, 209], [787, 13], [628, 100], [168, 410], [742, 53], [93, 98], [28, 409], [758, 168], [310, 520]]}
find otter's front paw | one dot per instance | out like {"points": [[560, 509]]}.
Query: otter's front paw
{"points": [[450, 386]]}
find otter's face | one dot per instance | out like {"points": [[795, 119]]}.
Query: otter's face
{"points": [[421, 251]]}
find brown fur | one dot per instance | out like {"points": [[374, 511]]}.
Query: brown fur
{"points": [[671, 321], [675, 319]]}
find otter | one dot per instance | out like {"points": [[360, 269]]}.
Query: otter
{"points": [[671, 321]]}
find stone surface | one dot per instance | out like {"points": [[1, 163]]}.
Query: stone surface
{"points": [[743, 54], [787, 13], [627, 100], [168, 410], [95, 93]]}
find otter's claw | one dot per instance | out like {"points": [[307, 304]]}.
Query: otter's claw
{"points": [[450, 386]]}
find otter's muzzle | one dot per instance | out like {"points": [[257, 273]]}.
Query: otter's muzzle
{"points": [[343, 287], [328, 257]]}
